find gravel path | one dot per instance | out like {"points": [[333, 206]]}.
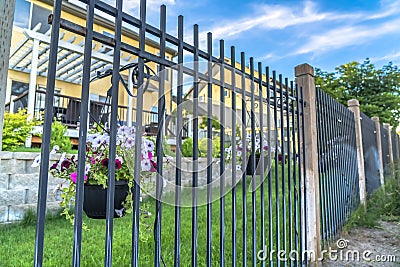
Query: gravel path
{"points": [[378, 243]]}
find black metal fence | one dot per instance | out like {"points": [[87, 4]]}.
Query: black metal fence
{"points": [[338, 167], [395, 146], [385, 150], [371, 154], [259, 213]]}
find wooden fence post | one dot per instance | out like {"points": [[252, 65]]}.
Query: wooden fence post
{"points": [[305, 79], [354, 106], [6, 22]]}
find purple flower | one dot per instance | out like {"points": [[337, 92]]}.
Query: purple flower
{"points": [[92, 160], [65, 164], [153, 167], [104, 162], [118, 164], [54, 166]]}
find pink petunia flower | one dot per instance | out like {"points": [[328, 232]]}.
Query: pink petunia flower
{"points": [[74, 176]]}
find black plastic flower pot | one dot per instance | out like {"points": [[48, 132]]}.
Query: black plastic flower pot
{"points": [[257, 171], [95, 200]]}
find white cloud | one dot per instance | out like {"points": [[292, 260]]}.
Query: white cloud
{"points": [[347, 36], [388, 57], [269, 17]]}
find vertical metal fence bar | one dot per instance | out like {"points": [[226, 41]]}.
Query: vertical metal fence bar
{"points": [[320, 168], [300, 160], [289, 248], [333, 160], [195, 143], [113, 136], [234, 154], [262, 156], [253, 165], [244, 161], [76, 258], [346, 165], [222, 155], [270, 189], [328, 163], [283, 160], [160, 138], [295, 162], [178, 175], [277, 202], [324, 171], [138, 139], [330, 169], [48, 118], [209, 149], [339, 162]]}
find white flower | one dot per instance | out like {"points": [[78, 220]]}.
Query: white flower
{"points": [[87, 168], [36, 162], [55, 149], [238, 167], [140, 199], [97, 141], [119, 158], [169, 158], [146, 165], [148, 213], [149, 144], [239, 153], [90, 138], [61, 160], [129, 142]]}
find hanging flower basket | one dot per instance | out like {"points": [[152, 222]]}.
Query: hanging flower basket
{"points": [[95, 200], [249, 169]]}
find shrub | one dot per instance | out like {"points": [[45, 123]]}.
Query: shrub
{"points": [[16, 129], [58, 137], [167, 149], [187, 147], [215, 147], [214, 122]]}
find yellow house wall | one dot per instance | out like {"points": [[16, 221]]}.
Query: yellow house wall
{"points": [[98, 87]]}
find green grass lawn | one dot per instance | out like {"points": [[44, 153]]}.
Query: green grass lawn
{"points": [[17, 240]]}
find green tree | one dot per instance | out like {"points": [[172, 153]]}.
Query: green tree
{"points": [[376, 89]]}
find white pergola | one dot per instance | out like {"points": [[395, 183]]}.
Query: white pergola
{"points": [[32, 56]]}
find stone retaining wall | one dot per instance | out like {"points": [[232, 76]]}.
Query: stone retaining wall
{"points": [[19, 182]]}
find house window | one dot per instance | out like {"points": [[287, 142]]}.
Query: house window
{"points": [[154, 117], [19, 90], [227, 93], [22, 13], [40, 15], [201, 98], [40, 99]]}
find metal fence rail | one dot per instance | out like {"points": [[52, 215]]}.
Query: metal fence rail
{"points": [[262, 115], [371, 155], [338, 170]]}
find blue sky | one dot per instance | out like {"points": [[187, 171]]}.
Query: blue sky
{"points": [[283, 34]]}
